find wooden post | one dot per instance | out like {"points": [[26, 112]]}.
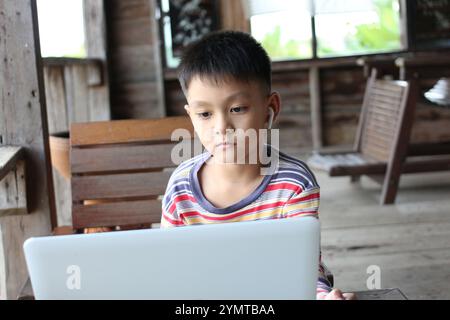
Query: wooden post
{"points": [[12, 181], [96, 45], [316, 107], [232, 16], [135, 62], [77, 90], [23, 122], [404, 30], [157, 63]]}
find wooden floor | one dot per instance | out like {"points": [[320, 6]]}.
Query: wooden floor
{"points": [[408, 241]]}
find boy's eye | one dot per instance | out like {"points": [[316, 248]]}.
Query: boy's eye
{"points": [[204, 115], [238, 109]]}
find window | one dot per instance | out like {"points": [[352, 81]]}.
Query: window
{"points": [[61, 28], [285, 35], [289, 29]]}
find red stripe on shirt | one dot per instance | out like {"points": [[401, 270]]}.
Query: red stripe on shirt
{"points": [[305, 198], [283, 185], [234, 215], [181, 197], [171, 221]]}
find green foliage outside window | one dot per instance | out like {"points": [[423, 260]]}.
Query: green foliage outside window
{"points": [[293, 49], [371, 37], [384, 36]]}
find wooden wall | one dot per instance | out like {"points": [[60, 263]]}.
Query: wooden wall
{"points": [[432, 122], [23, 123], [71, 86], [342, 95], [76, 91], [142, 88], [134, 59]]}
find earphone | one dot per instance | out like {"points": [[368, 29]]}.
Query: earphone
{"points": [[271, 115]]}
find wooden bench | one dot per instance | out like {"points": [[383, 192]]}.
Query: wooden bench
{"points": [[120, 170], [382, 141]]}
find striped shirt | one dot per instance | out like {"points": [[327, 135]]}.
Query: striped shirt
{"points": [[289, 189]]}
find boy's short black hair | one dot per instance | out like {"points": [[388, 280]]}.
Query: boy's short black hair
{"points": [[224, 54]]}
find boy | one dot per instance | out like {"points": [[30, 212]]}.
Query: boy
{"points": [[226, 78]]}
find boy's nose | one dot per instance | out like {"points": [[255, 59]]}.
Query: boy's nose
{"points": [[222, 125]]}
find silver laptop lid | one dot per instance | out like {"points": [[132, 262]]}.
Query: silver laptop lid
{"points": [[264, 259]]}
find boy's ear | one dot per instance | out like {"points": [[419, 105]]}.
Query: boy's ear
{"points": [[275, 103]]}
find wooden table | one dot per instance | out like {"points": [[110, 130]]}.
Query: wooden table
{"points": [[382, 294]]}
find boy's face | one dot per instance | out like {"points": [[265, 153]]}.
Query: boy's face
{"points": [[218, 111]]}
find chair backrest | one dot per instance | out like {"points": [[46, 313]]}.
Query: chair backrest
{"points": [[382, 120], [119, 170]]}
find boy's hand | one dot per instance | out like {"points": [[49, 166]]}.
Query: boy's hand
{"points": [[337, 294]]}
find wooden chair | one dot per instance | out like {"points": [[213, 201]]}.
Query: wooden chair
{"points": [[382, 140], [120, 170]]}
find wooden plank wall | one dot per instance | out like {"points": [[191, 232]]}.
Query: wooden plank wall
{"points": [[23, 123], [342, 94], [232, 15], [342, 91], [295, 115], [431, 123], [135, 61], [294, 119], [75, 91], [137, 84], [96, 47], [12, 181], [71, 86]]}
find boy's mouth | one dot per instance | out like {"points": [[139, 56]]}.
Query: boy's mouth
{"points": [[225, 144]]}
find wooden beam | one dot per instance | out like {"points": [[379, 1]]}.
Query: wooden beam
{"points": [[77, 90], [13, 196], [23, 122], [404, 38], [12, 181], [426, 149], [135, 59], [96, 45], [60, 61], [232, 16], [9, 156], [95, 76], [316, 107], [426, 164], [159, 77]]}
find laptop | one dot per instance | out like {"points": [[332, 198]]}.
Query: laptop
{"points": [[262, 259]]}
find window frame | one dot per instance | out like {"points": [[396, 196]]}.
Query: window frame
{"points": [[405, 40]]}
